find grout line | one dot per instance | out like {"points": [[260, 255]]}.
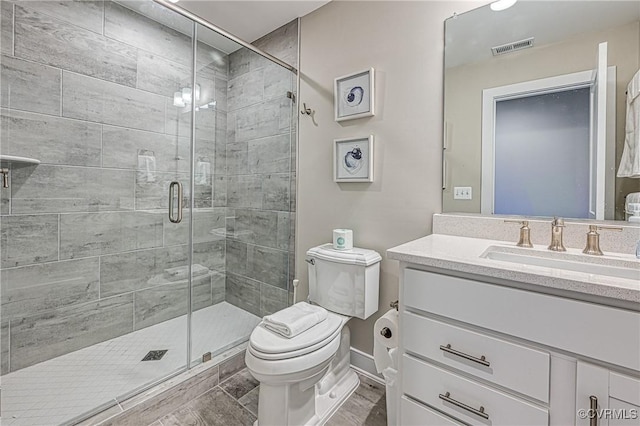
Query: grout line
{"points": [[238, 400], [224, 391], [133, 309], [104, 16], [91, 122], [59, 242], [102, 146], [137, 83], [99, 277], [9, 345], [61, 92], [10, 194], [13, 32]]}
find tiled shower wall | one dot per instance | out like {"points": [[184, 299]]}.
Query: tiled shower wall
{"points": [[85, 237], [261, 175]]}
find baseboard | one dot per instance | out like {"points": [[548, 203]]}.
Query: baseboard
{"points": [[363, 363]]}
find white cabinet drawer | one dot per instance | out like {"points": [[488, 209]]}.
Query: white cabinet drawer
{"points": [[624, 388], [513, 366], [414, 414], [600, 332], [624, 400], [429, 384], [623, 413]]}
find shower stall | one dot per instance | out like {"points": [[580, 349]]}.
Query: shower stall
{"points": [[147, 221]]}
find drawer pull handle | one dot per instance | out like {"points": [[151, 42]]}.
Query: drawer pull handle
{"points": [[480, 412], [482, 360], [593, 409]]}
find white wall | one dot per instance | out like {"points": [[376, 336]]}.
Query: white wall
{"points": [[403, 41]]}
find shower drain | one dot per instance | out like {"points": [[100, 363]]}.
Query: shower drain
{"points": [[155, 355]]}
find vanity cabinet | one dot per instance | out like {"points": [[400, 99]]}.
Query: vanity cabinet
{"points": [[615, 396], [476, 352]]}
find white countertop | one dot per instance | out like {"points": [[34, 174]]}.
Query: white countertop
{"points": [[463, 254]]}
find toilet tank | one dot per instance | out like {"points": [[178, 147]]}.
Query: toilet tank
{"points": [[344, 281]]}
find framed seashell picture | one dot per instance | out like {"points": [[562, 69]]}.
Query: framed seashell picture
{"points": [[353, 159], [353, 95]]}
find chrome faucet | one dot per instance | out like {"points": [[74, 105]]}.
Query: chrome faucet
{"points": [[557, 226], [593, 239]]}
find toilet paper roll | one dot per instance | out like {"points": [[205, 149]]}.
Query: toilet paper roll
{"points": [[342, 239], [385, 337]]}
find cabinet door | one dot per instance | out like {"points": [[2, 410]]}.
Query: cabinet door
{"points": [[614, 396], [624, 400], [623, 413], [592, 392]]}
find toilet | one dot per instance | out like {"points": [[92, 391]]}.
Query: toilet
{"points": [[305, 379]]}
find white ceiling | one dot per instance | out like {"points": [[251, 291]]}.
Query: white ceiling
{"points": [[247, 20], [250, 19], [470, 36]]}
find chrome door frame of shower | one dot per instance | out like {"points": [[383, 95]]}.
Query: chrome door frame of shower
{"points": [[209, 25]]}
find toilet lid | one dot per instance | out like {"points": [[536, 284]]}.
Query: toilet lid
{"points": [[267, 344]]}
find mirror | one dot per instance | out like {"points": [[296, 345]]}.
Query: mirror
{"points": [[544, 51]]}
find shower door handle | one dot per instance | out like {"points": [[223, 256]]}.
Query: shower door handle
{"points": [[172, 195]]}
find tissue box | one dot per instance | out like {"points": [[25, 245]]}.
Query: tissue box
{"points": [[342, 239]]}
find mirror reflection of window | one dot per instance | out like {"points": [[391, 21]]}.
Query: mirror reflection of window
{"points": [[542, 155]]}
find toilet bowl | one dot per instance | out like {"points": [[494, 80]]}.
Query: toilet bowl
{"points": [[291, 371], [304, 379]]}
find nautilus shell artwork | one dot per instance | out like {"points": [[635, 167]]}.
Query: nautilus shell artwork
{"points": [[354, 96], [353, 160]]}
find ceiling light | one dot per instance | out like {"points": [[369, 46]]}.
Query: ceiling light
{"points": [[502, 5], [174, 1]]}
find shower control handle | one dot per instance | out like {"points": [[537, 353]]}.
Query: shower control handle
{"points": [[172, 195]]}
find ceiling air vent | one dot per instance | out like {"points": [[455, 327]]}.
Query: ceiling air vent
{"points": [[512, 47]]}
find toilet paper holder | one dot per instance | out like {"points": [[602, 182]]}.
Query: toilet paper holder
{"points": [[386, 332]]}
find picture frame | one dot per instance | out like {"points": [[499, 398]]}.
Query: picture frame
{"points": [[353, 159], [354, 95]]}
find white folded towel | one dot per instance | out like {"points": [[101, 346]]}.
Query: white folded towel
{"points": [[295, 319]]}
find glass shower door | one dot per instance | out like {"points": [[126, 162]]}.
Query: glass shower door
{"points": [[95, 275], [243, 142]]}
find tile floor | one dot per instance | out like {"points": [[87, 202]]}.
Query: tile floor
{"points": [[55, 391], [235, 402]]}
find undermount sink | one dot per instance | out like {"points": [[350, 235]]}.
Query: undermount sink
{"points": [[617, 268]]}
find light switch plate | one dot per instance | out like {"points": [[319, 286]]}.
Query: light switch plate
{"points": [[462, 193]]}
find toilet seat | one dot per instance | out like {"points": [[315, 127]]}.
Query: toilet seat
{"points": [[267, 345]]}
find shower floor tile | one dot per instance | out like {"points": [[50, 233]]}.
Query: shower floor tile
{"points": [[58, 390]]}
